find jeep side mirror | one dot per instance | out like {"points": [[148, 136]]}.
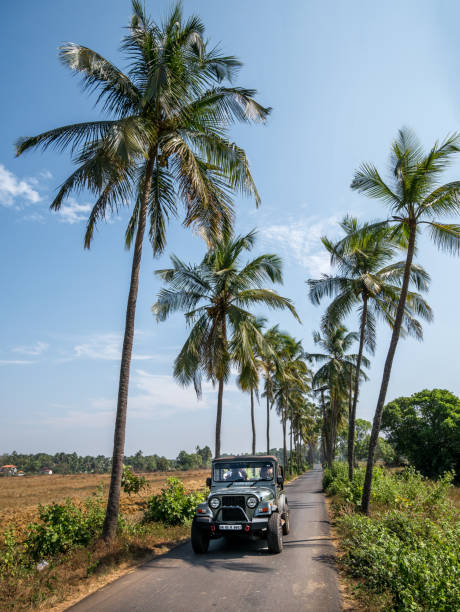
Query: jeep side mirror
{"points": [[208, 482], [280, 480]]}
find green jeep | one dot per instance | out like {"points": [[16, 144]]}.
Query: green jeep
{"points": [[246, 499]]}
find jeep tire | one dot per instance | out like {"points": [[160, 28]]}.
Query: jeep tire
{"points": [[200, 539], [286, 525], [275, 534]]}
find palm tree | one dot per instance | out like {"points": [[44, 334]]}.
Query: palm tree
{"points": [[268, 365], [335, 372], [248, 378], [368, 280], [218, 295], [414, 199], [165, 139], [290, 379]]}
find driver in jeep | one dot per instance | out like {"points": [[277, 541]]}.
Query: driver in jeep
{"points": [[236, 474], [266, 472]]}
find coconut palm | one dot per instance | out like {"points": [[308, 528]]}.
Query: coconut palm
{"points": [[268, 365], [415, 199], [290, 379], [334, 375], [368, 280], [217, 295], [165, 139], [248, 378]]}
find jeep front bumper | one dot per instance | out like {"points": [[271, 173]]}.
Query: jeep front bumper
{"points": [[218, 528]]}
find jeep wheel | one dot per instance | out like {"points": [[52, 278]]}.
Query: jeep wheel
{"points": [[275, 534], [200, 540], [286, 525]]}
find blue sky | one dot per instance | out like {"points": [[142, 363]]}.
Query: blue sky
{"points": [[342, 78]]}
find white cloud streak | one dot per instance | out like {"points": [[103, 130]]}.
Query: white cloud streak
{"points": [[73, 212], [301, 241], [37, 349], [14, 191], [15, 361], [106, 347]]}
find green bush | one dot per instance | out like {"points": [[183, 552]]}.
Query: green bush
{"points": [[405, 489], [62, 527], [173, 506], [409, 548], [412, 557], [131, 482]]}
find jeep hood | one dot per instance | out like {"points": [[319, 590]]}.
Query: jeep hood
{"points": [[260, 492]]}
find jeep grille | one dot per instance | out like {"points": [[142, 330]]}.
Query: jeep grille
{"points": [[233, 514], [233, 500]]}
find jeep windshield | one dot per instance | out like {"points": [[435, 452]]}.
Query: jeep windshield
{"points": [[243, 471]]}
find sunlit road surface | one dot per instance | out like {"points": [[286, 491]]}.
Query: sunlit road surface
{"points": [[239, 577]]}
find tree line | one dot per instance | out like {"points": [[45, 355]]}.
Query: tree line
{"points": [[71, 463], [164, 141]]}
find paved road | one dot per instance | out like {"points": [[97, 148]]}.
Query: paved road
{"points": [[241, 577]]}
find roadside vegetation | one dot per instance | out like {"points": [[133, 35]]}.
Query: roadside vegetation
{"points": [[53, 551], [406, 554]]}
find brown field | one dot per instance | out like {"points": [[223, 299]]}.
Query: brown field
{"points": [[20, 497]]}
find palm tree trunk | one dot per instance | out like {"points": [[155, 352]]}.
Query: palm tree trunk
{"points": [[290, 444], [253, 423], [220, 394], [220, 391], [268, 425], [283, 418], [352, 416], [299, 451], [111, 517], [323, 431], [387, 370]]}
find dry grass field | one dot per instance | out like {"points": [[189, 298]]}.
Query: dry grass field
{"points": [[20, 497]]}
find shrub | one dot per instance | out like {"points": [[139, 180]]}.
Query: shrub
{"points": [[173, 506], [412, 557], [131, 482], [409, 549], [64, 526]]}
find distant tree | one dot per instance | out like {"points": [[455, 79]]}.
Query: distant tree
{"points": [[188, 461], [425, 428], [337, 368], [162, 464], [206, 455]]}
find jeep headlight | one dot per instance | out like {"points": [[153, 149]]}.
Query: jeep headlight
{"points": [[252, 502], [214, 502]]}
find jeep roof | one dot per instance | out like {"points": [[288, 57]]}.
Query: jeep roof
{"points": [[247, 458]]}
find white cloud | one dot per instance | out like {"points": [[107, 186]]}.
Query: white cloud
{"points": [[73, 212], [15, 362], [36, 349], [103, 346], [154, 396], [16, 191], [301, 240], [107, 347]]}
